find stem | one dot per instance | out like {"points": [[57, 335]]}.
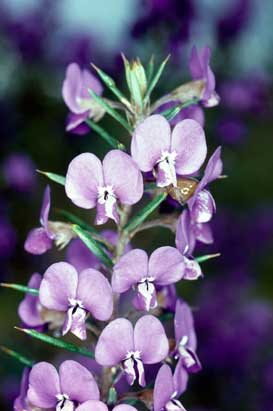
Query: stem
{"points": [[166, 222]]}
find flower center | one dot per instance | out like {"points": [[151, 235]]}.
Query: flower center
{"points": [[106, 204], [64, 403], [133, 368], [75, 319], [166, 173], [146, 293]]}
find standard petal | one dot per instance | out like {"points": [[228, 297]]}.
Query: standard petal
{"points": [[213, 169], [185, 236], [92, 405], [189, 142], [184, 325], [71, 88], [150, 138], [77, 382], [28, 308], [203, 207], [44, 385], [129, 270], [122, 173], [95, 292], [195, 66], [80, 256], [84, 176], [45, 210], [164, 387], [150, 339], [58, 285], [37, 241], [92, 82], [166, 265], [115, 341]]}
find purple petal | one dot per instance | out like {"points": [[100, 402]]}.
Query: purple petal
{"points": [[205, 55], [45, 211], [150, 339], [78, 382], [75, 322], [213, 169], [166, 265], [189, 142], [184, 325], [203, 233], [145, 298], [185, 237], [164, 387], [72, 87], [115, 341], [43, 385], [195, 66], [106, 208], [28, 309], [150, 138], [180, 378], [122, 173], [195, 112], [92, 405], [37, 241], [83, 178], [20, 402], [203, 207], [192, 269], [189, 360], [75, 123], [96, 294], [58, 285], [80, 256], [92, 82], [129, 270]]}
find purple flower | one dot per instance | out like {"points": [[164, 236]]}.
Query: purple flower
{"points": [[90, 183], [73, 386], [185, 337], [165, 391], [29, 309], [134, 270], [155, 147], [119, 343], [63, 289], [21, 402], [200, 69], [202, 204], [187, 232], [76, 96], [92, 405], [19, 172]]}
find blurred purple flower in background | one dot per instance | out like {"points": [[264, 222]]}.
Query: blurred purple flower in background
{"points": [[19, 172]]}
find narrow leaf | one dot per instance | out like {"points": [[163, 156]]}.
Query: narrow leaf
{"points": [[203, 258], [72, 218], [54, 177], [57, 343], [110, 110], [150, 69], [172, 112], [93, 246], [155, 79], [145, 212], [23, 360], [21, 288], [113, 142]]}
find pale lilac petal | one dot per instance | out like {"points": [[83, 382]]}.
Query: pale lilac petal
{"points": [[195, 66], [166, 265], [184, 325], [20, 403], [124, 407], [164, 387], [58, 285], [83, 177], [80, 256], [37, 241], [92, 405], [129, 270], [150, 138], [203, 207], [189, 360], [122, 173], [203, 233], [205, 54], [150, 339], [115, 341], [43, 385], [92, 82], [75, 322], [192, 269], [95, 292], [189, 142], [106, 209], [145, 298], [180, 378], [213, 169], [28, 308], [75, 123], [45, 210], [185, 237], [78, 382], [71, 88], [195, 112]]}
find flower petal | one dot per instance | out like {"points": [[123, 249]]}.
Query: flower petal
{"points": [[92, 82], [37, 241], [195, 66], [58, 285], [95, 293], [203, 233], [71, 87], [185, 237], [150, 339], [83, 177], [77, 382], [192, 269], [129, 270], [203, 207], [28, 308], [122, 173], [166, 265], [189, 142], [75, 123], [115, 341], [180, 378], [43, 385], [92, 405], [45, 210], [213, 169], [80, 256], [184, 325], [150, 138], [164, 387]]}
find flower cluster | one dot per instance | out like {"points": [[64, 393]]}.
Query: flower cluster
{"points": [[115, 297]]}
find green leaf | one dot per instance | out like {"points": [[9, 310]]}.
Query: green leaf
{"points": [[171, 113], [93, 246], [54, 177], [112, 396], [72, 218], [21, 288], [150, 69], [19, 357], [203, 258], [155, 79], [149, 186], [110, 110], [113, 142], [145, 212], [110, 83], [56, 342]]}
